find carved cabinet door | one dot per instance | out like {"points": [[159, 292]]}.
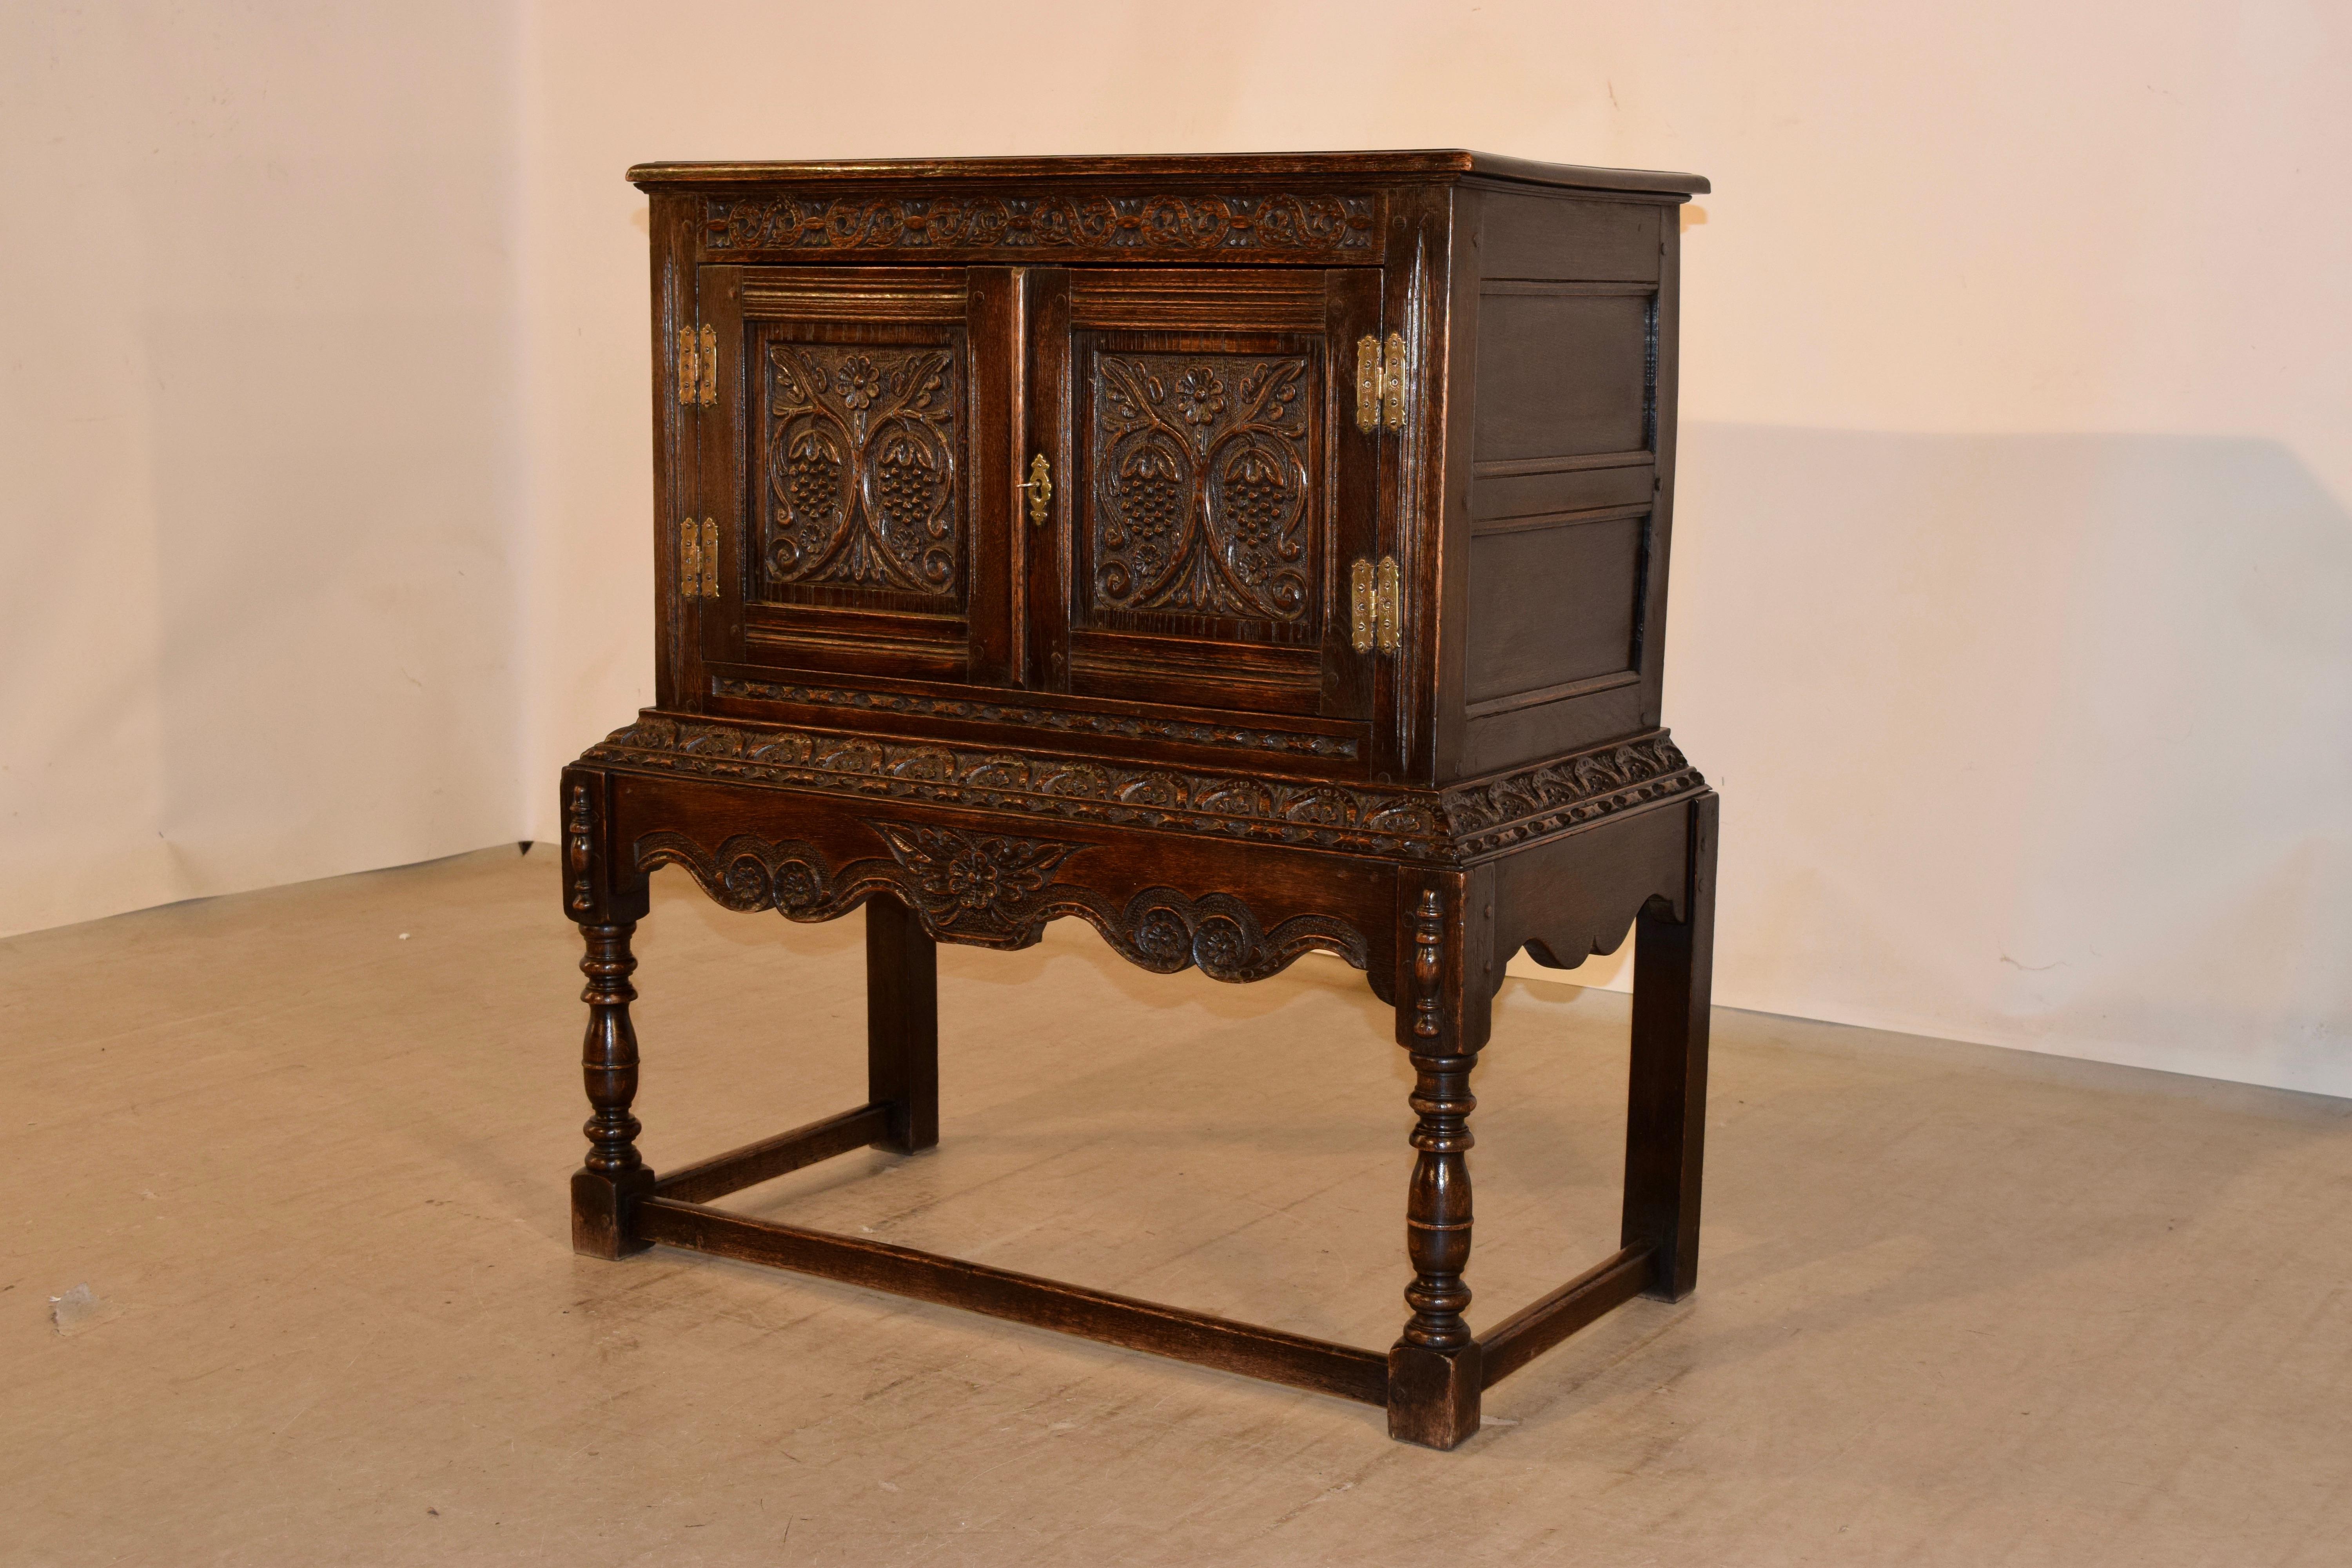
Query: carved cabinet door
{"points": [[1214, 488], [849, 473]]}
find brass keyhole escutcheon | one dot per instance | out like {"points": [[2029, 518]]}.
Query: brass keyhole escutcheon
{"points": [[1040, 488]]}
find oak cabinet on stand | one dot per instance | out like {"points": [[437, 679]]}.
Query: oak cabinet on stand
{"points": [[1245, 555]]}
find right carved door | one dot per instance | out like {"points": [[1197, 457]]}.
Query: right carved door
{"points": [[1215, 486]]}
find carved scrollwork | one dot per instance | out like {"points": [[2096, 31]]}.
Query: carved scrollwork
{"points": [[996, 890], [1201, 490], [1272, 221], [864, 449]]}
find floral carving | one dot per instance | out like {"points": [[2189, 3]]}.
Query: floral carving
{"points": [[864, 450], [994, 891], [1202, 495], [965, 881], [1267, 222]]}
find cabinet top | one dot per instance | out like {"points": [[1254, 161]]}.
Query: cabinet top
{"points": [[1439, 163]]}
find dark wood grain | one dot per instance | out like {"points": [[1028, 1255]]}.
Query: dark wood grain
{"points": [[1268, 1353], [1234, 386], [1533, 1329], [902, 1026], [771, 1157], [1665, 1127]]}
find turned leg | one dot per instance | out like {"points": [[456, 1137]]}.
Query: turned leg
{"points": [[902, 1024], [612, 1177], [1665, 1126], [1434, 1376]]}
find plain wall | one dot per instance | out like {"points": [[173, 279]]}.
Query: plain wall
{"points": [[259, 445], [2010, 608]]}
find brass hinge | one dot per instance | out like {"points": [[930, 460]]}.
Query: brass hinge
{"points": [[1379, 383], [1373, 610], [698, 559], [698, 367]]}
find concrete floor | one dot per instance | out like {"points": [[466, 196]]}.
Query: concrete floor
{"points": [[286, 1277]]}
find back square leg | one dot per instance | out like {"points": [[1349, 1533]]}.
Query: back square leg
{"points": [[902, 1024], [1666, 1123]]}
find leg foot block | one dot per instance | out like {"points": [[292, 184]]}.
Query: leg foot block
{"points": [[600, 1212], [1434, 1394]]}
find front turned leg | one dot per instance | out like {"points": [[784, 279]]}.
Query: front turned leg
{"points": [[612, 1177], [1434, 1372]]}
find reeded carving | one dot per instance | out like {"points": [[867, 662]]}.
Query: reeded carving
{"points": [[1201, 485], [1270, 221], [1240, 737], [996, 891], [1331, 815], [864, 450]]}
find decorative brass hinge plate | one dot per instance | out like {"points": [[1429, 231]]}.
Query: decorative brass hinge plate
{"points": [[1374, 592], [1379, 383], [698, 559], [698, 367]]}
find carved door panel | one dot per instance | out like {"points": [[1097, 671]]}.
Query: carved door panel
{"points": [[857, 410], [1215, 486]]}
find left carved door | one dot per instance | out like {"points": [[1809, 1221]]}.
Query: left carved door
{"points": [[847, 476]]}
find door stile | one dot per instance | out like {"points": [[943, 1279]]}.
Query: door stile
{"points": [[714, 622], [1045, 431], [994, 301], [1351, 681]]}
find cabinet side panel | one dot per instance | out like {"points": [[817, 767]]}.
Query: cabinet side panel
{"points": [[1563, 237], [1566, 532]]}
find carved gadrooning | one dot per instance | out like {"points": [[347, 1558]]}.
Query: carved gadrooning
{"points": [[1048, 221], [997, 891], [1076, 721], [1201, 473], [1419, 825], [864, 447], [1575, 790]]}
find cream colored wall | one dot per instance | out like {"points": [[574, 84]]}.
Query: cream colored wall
{"points": [[259, 445], [2009, 610]]}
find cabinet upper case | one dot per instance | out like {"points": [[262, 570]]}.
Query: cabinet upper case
{"points": [[1355, 465]]}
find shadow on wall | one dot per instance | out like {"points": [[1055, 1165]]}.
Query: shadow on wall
{"points": [[2038, 740]]}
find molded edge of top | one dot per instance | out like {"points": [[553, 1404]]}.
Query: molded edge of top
{"points": [[1176, 165]]}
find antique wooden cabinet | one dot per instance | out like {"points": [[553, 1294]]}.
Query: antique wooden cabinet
{"points": [[1245, 555]]}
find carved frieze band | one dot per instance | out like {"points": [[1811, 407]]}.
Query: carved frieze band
{"points": [[1325, 816], [1566, 794], [1472, 819], [1260, 221], [994, 890], [1237, 737]]}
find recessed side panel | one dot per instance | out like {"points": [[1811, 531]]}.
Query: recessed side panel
{"points": [[1553, 609], [1561, 373]]}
